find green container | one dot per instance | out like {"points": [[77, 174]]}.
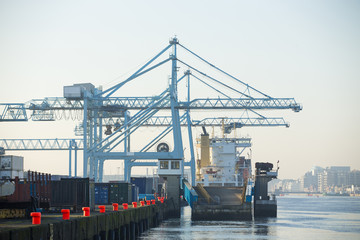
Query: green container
{"points": [[119, 192]]}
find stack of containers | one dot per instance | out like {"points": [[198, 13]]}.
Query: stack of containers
{"points": [[114, 192], [72, 192], [125, 192]]}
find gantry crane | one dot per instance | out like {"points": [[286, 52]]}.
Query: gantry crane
{"points": [[108, 121]]}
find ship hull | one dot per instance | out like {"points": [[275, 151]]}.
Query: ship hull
{"points": [[222, 212]]}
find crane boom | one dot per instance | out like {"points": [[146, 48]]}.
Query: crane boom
{"points": [[40, 144]]}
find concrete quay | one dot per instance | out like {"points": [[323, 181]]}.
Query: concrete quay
{"points": [[122, 224]]}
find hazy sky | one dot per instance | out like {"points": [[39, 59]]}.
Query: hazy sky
{"points": [[308, 50]]}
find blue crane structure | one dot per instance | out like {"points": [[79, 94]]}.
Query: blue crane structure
{"points": [[44, 144], [107, 121]]}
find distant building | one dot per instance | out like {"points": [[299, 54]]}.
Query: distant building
{"points": [[323, 181], [333, 177], [285, 185], [294, 186], [355, 178], [340, 175], [309, 182], [274, 185]]}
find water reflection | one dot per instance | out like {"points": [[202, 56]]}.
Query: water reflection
{"points": [[264, 227], [184, 228], [298, 218]]}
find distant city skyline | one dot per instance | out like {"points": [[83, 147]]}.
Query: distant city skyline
{"points": [[308, 50], [331, 180]]}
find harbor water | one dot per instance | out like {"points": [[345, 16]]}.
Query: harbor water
{"points": [[298, 218]]}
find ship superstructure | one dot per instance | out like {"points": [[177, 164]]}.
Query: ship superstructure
{"points": [[221, 163]]}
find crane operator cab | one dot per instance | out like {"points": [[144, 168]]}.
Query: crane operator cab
{"points": [[167, 166], [169, 171]]}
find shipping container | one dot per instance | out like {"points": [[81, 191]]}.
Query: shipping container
{"points": [[72, 192], [11, 174], [10, 162], [58, 177], [92, 194], [145, 184], [30, 194], [149, 185], [101, 193], [40, 188], [120, 192], [134, 193], [140, 182]]}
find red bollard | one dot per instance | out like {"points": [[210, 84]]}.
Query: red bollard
{"points": [[125, 206], [134, 204], [142, 203], [86, 211], [115, 207], [153, 201], [36, 217], [102, 209], [66, 214], [148, 202]]}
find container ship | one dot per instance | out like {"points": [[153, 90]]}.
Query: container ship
{"points": [[225, 188]]}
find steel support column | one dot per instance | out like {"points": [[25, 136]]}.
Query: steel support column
{"points": [[85, 126], [70, 147]]}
